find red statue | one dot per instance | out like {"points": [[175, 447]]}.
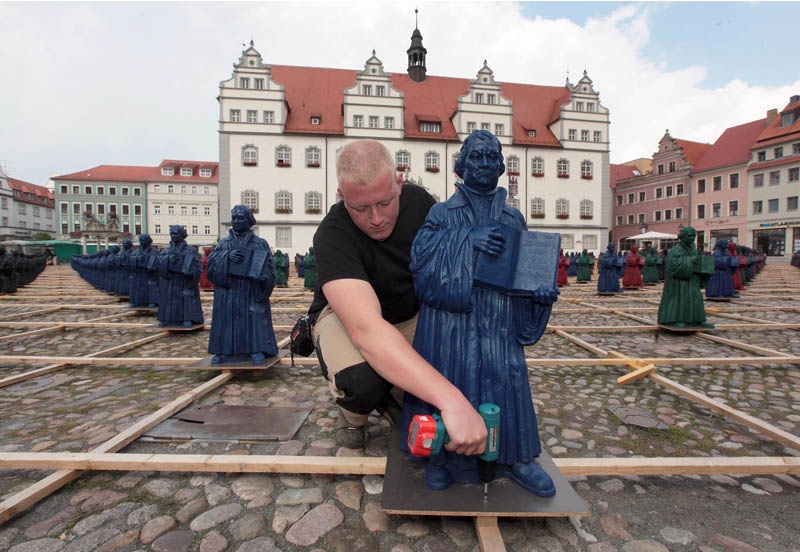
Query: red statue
{"points": [[737, 277], [633, 269], [563, 265], [205, 283]]}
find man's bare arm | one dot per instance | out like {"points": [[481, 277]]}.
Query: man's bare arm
{"points": [[390, 355]]}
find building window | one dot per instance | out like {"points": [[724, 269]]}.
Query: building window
{"points": [[537, 207], [170, 189], [598, 136], [589, 241], [259, 84], [701, 186], [358, 121], [584, 135], [249, 155], [512, 165], [205, 173], [659, 193], [630, 219], [403, 159], [194, 229], [490, 99], [758, 207], [157, 228], [499, 129], [562, 208], [641, 218], [236, 115], [567, 241], [716, 210], [374, 121], [787, 118], [195, 210], [778, 152], [479, 97], [587, 209], [590, 107], [170, 209], [269, 117], [587, 169], [21, 208], [388, 122], [471, 127], [794, 174], [283, 236], [772, 206], [313, 202], [717, 183], [137, 192], [562, 168], [791, 203], [124, 191], [185, 171], [250, 200], [537, 166], [669, 191], [283, 202], [620, 199], [531, 133], [796, 149], [432, 161], [167, 171], [733, 208], [578, 106], [252, 116], [366, 89], [207, 210], [207, 230], [126, 209], [572, 134], [244, 82], [667, 214], [619, 220], [64, 206], [657, 216], [774, 178], [678, 212], [758, 180], [283, 156], [679, 189], [430, 127], [156, 208], [630, 198], [380, 90], [485, 126], [206, 190], [661, 168], [701, 211], [733, 181], [761, 156], [313, 156], [672, 166], [76, 208], [642, 196]]}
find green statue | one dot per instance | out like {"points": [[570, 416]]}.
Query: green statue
{"points": [[310, 266], [651, 262], [686, 271], [282, 268], [584, 267]]}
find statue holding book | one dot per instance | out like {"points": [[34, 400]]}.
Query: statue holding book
{"points": [[281, 268], [242, 271], [486, 287], [608, 279], [584, 264], [144, 281], [685, 272], [178, 268]]}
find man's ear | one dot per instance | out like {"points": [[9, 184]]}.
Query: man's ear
{"points": [[339, 194]]}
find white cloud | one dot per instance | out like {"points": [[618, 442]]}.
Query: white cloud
{"points": [[133, 83]]}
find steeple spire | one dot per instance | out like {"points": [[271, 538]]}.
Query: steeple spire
{"points": [[416, 54]]}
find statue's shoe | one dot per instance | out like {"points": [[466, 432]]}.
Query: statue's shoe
{"points": [[530, 476], [218, 359], [437, 478], [258, 358], [187, 324], [708, 325]]}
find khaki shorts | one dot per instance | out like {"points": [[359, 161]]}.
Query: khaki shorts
{"points": [[339, 352]]}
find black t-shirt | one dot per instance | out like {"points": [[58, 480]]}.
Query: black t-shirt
{"points": [[343, 251]]}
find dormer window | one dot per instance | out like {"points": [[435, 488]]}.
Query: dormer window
{"points": [[186, 171], [430, 127], [316, 120], [787, 119], [531, 134], [205, 173], [167, 171]]}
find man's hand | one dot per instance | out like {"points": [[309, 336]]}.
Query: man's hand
{"points": [[489, 240], [466, 429]]}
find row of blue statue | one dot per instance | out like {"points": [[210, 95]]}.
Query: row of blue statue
{"points": [[18, 269]]}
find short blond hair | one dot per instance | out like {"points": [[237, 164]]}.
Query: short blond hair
{"points": [[362, 162]]}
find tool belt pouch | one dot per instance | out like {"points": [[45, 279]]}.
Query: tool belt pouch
{"points": [[302, 342]]}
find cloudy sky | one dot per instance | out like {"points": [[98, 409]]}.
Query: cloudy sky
{"points": [[85, 84]]}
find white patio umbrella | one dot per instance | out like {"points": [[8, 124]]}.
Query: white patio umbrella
{"points": [[653, 236]]}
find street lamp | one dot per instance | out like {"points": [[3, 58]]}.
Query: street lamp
{"points": [[643, 229]]}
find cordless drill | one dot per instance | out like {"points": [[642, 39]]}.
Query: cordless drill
{"points": [[427, 435]]}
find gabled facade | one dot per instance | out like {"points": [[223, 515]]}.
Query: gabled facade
{"points": [[719, 187], [659, 200], [25, 209], [281, 127], [773, 185]]}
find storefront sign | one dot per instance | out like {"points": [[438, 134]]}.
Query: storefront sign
{"points": [[781, 223]]}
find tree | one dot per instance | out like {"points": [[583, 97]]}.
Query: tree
{"points": [[41, 236]]}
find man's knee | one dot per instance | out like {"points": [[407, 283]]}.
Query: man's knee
{"points": [[363, 388]]}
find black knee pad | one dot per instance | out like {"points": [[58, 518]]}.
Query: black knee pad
{"points": [[363, 388]]}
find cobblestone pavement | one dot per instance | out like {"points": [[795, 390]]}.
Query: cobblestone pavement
{"points": [[78, 408]]}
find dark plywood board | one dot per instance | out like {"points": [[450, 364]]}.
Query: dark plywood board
{"points": [[205, 363], [231, 423], [404, 492]]}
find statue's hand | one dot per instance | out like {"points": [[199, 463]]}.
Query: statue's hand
{"points": [[489, 240], [173, 258], [545, 297], [236, 256]]}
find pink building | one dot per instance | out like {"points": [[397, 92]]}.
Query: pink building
{"points": [[657, 201], [719, 186]]}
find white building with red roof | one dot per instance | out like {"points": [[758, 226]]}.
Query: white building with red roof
{"points": [[774, 184], [25, 209], [281, 127]]}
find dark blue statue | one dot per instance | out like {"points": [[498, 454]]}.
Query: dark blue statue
{"points": [[720, 286], [179, 271], [573, 265], [124, 268], [610, 263], [474, 335], [144, 279], [243, 273]]}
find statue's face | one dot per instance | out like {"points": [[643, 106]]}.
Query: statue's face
{"points": [[483, 164], [239, 221], [689, 237], [611, 247], [176, 234]]}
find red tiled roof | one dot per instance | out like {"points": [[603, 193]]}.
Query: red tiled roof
{"points": [[775, 130], [620, 172], [319, 92], [732, 147], [42, 195], [118, 173], [692, 151]]}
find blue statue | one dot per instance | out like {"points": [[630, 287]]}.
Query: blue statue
{"points": [[474, 335], [124, 271], [179, 294], [243, 273], [144, 279], [721, 283], [610, 263]]}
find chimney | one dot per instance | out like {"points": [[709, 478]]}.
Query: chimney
{"points": [[771, 114]]}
